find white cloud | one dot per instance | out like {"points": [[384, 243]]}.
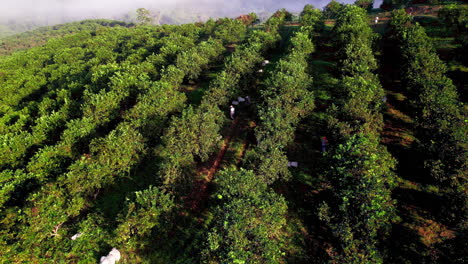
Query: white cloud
{"points": [[81, 9]]}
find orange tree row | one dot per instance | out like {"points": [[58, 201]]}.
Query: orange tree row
{"points": [[286, 99], [359, 209], [109, 89], [194, 134], [440, 117], [248, 216], [193, 137], [41, 35]]}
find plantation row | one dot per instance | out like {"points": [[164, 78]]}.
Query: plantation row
{"points": [[194, 135], [440, 120], [359, 211], [40, 36], [286, 100], [244, 195]]}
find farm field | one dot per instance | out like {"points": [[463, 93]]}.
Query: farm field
{"points": [[321, 137]]}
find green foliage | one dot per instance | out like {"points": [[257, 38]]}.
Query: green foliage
{"points": [[230, 30], [192, 63], [365, 4], [440, 117], [277, 20], [354, 37], [455, 17], [360, 103], [41, 35], [143, 217], [435, 98], [362, 179], [358, 169], [10, 181], [287, 100], [94, 238], [359, 93], [332, 9], [310, 17], [193, 135], [247, 222], [84, 129], [92, 118], [144, 16]]}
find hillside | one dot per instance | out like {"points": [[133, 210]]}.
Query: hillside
{"points": [[324, 138], [40, 36]]}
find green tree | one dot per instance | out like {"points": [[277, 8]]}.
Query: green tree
{"points": [[441, 124], [143, 217], [354, 39], [248, 221], [277, 20], [455, 17], [365, 4], [332, 9], [310, 16], [230, 30], [362, 210], [144, 16], [286, 100]]}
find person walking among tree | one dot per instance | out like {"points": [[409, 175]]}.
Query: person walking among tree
{"points": [[232, 111], [324, 144]]}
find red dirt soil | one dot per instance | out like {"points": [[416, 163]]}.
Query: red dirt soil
{"points": [[200, 193]]}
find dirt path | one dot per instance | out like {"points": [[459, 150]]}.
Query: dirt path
{"points": [[396, 128], [196, 200], [209, 172]]}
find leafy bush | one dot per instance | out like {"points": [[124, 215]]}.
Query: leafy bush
{"points": [[247, 222], [362, 179]]}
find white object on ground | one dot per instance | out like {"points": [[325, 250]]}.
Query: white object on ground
{"points": [[260, 71], [240, 99], [75, 236], [265, 62], [114, 255], [293, 164], [235, 102]]}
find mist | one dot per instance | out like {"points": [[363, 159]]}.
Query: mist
{"points": [[49, 12]]}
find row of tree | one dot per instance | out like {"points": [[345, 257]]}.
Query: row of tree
{"points": [[194, 135], [440, 117], [286, 99], [73, 78], [248, 217], [359, 209]]}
